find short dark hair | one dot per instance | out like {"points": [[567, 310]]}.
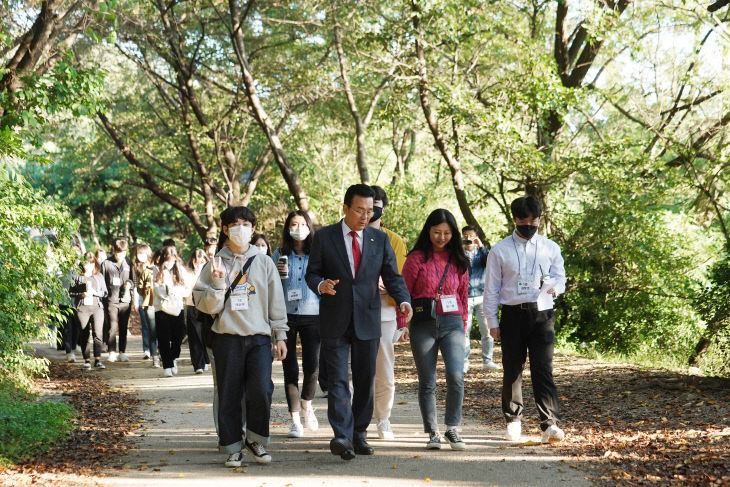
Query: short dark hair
{"points": [[380, 195], [230, 215], [469, 228], [358, 190], [168, 242], [525, 207], [119, 245]]}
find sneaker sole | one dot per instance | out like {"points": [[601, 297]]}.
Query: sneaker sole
{"points": [[233, 464], [293, 435], [458, 446], [433, 447], [263, 460]]}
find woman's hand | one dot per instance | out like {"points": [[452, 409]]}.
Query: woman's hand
{"points": [[280, 348]]}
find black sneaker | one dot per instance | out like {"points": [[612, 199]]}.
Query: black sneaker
{"points": [[234, 459], [259, 452], [454, 439], [99, 365], [434, 441]]}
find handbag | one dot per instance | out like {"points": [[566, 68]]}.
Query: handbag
{"points": [[207, 320], [424, 309], [172, 305]]}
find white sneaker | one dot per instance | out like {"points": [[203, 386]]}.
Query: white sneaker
{"points": [[310, 419], [206, 368], [234, 459], [112, 356], [71, 357], [174, 366], [168, 373], [514, 431], [385, 432], [156, 361], [296, 430], [490, 366], [123, 357], [146, 355], [553, 434], [466, 366], [198, 371], [87, 365]]}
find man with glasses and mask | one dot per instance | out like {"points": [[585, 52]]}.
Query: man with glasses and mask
{"points": [[347, 261], [524, 274]]}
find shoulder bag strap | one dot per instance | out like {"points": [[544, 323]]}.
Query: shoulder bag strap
{"points": [[238, 279]]}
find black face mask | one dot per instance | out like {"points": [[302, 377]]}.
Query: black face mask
{"points": [[377, 213], [527, 231]]}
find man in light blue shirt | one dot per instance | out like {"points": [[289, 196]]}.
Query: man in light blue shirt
{"points": [[477, 254]]}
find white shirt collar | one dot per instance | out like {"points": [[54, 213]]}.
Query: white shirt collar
{"points": [[346, 230]]}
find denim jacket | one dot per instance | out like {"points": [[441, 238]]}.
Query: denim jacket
{"points": [[309, 304], [477, 264]]}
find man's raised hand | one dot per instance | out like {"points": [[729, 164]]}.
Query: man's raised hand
{"points": [[217, 269]]}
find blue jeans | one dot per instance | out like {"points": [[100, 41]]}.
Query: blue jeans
{"points": [[427, 337], [476, 308], [149, 328]]}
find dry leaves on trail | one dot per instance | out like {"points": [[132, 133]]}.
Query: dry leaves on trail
{"points": [[623, 425], [98, 441]]}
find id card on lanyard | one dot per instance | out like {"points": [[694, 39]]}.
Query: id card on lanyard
{"points": [[526, 283], [239, 298], [449, 303]]}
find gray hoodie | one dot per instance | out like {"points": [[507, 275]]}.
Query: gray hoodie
{"points": [[266, 313]]}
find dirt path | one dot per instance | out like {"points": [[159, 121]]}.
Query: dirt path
{"points": [[176, 444]]}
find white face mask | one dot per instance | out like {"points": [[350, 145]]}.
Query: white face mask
{"points": [[168, 264], [240, 234], [262, 249], [142, 258], [299, 233]]}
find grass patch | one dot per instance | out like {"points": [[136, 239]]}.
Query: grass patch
{"points": [[28, 425]]}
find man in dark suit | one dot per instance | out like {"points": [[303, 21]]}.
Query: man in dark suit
{"points": [[345, 264]]}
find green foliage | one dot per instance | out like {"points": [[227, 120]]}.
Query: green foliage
{"points": [[713, 306], [28, 426], [31, 272]]}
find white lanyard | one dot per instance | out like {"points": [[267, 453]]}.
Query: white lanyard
{"points": [[519, 264]]}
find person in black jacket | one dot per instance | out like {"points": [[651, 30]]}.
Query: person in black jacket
{"points": [[87, 292], [117, 272]]}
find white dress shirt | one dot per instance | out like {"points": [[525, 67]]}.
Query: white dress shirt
{"points": [[537, 256], [348, 244]]}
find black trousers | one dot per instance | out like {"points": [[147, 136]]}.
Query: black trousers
{"points": [[243, 373], [198, 354], [169, 336], [530, 331], [307, 327], [91, 321], [71, 331], [118, 316], [348, 417]]}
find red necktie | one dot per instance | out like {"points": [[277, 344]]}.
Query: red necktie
{"points": [[356, 255]]}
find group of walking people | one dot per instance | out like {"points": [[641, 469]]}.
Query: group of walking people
{"points": [[348, 292]]}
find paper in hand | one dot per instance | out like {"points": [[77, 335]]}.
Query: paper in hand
{"points": [[545, 300]]}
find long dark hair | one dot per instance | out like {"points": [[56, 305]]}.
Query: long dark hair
{"points": [[177, 270], [230, 215], [287, 242], [261, 236], [196, 256], [456, 250], [88, 258]]}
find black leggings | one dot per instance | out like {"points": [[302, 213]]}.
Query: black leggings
{"points": [[307, 326], [198, 354], [170, 331], [91, 333]]}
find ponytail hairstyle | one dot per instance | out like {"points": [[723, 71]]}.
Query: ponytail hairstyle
{"points": [[456, 250], [177, 270], [230, 215]]}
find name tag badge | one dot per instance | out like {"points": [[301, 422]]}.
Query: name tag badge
{"points": [[526, 285], [294, 294], [449, 303], [89, 301], [239, 298], [116, 281]]}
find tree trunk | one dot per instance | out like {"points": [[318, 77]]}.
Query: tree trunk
{"points": [[92, 227], [262, 118], [454, 165]]}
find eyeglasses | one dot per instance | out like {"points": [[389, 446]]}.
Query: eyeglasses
{"points": [[362, 212]]}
